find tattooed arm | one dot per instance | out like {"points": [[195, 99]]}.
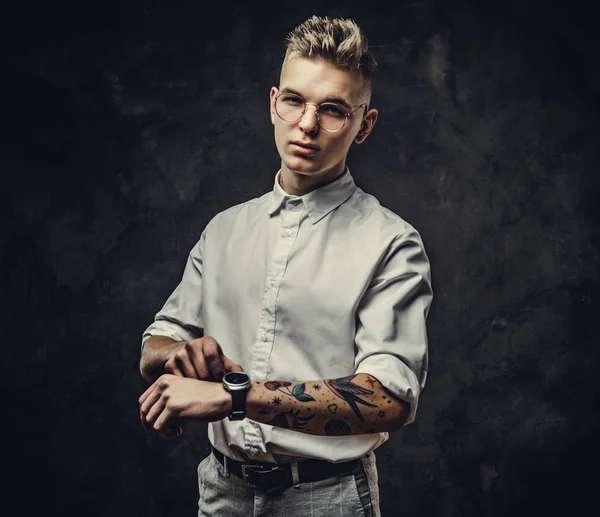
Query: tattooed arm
{"points": [[357, 404]]}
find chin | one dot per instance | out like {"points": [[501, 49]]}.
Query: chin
{"points": [[303, 167]]}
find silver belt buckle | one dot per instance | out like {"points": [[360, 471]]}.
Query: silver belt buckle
{"points": [[254, 468]]}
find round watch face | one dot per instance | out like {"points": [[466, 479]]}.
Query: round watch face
{"points": [[236, 378]]}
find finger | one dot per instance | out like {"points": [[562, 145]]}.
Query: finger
{"points": [[147, 406], [230, 366], [196, 357], [171, 367], [214, 359], [142, 400], [146, 394], [184, 363], [162, 418], [156, 411], [147, 426], [153, 394]]}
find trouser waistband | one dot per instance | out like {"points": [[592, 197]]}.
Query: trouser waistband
{"points": [[268, 476]]}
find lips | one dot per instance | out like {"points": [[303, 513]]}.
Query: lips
{"points": [[306, 145], [303, 149]]}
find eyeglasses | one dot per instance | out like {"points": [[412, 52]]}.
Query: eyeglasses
{"points": [[330, 115]]}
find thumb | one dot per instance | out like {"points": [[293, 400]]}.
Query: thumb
{"points": [[230, 366]]}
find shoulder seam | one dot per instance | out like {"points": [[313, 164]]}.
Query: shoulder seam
{"points": [[382, 209]]}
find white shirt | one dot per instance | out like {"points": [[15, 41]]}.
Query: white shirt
{"points": [[303, 288]]}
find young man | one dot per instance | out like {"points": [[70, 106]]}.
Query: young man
{"points": [[299, 327]]}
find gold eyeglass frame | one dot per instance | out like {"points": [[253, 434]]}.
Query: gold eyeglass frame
{"points": [[347, 114]]}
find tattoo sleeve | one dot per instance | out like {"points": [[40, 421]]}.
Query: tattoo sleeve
{"points": [[356, 404]]}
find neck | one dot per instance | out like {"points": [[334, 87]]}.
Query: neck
{"points": [[299, 184]]}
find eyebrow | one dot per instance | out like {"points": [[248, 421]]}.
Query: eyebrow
{"points": [[337, 100]]}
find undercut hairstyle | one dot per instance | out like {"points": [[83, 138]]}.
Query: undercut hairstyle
{"points": [[339, 41]]}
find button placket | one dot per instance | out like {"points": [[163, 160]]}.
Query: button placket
{"points": [[266, 329]]}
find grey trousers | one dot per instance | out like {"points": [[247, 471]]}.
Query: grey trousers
{"points": [[351, 495]]}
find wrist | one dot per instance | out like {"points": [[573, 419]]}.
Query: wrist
{"points": [[237, 384], [257, 403], [156, 351], [225, 401]]}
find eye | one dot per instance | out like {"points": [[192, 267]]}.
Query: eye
{"points": [[333, 110], [292, 99]]}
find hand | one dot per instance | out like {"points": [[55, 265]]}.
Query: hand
{"points": [[172, 399], [201, 359]]}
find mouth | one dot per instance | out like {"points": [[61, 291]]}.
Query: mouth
{"points": [[304, 148], [305, 144]]}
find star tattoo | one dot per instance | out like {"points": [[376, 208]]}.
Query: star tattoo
{"points": [[276, 401], [317, 387]]}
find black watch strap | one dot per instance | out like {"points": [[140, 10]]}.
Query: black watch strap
{"points": [[238, 384], [238, 405]]}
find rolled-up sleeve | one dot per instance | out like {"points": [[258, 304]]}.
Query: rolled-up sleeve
{"points": [[181, 316], [391, 334]]}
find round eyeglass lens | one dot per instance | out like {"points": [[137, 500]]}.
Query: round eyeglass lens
{"points": [[290, 108], [331, 116]]}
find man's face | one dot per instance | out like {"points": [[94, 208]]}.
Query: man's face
{"points": [[317, 81]]}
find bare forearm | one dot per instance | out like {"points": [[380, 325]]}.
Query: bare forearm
{"points": [[156, 351], [357, 404]]}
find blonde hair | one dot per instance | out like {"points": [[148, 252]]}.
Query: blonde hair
{"points": [[338, 40]]}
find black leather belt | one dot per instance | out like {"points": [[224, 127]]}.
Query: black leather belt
{"points": [[269, 476]]}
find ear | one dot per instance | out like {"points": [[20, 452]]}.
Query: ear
{"points": [[273, 93], [366, 126]]}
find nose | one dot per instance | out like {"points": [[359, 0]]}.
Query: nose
{"points": [[309, 123]]}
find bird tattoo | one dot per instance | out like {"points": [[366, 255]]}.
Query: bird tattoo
{"points": [[349, 391]]}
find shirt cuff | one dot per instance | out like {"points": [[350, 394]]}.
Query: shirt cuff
{"points": [[168, 329], [394, 375]]}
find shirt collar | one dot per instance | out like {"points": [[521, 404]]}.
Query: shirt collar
{"points": [[318, 202]]}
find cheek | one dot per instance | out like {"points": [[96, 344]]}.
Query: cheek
{"points": [[278, 131], [281, 133], [340, 145]]}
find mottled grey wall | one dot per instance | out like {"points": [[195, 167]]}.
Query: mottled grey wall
{"points": [[127, 126]]}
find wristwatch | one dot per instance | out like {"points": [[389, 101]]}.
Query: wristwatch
{"points": [[238, 384]]}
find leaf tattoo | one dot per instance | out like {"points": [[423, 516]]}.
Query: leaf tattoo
{"points": [[283, 386], [298, 392]]}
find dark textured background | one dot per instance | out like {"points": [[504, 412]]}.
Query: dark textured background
{"points": [[127, 126]]}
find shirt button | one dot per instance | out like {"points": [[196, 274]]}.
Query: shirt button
{"points": [[288, 232], [265, 337], [271, 282]]}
